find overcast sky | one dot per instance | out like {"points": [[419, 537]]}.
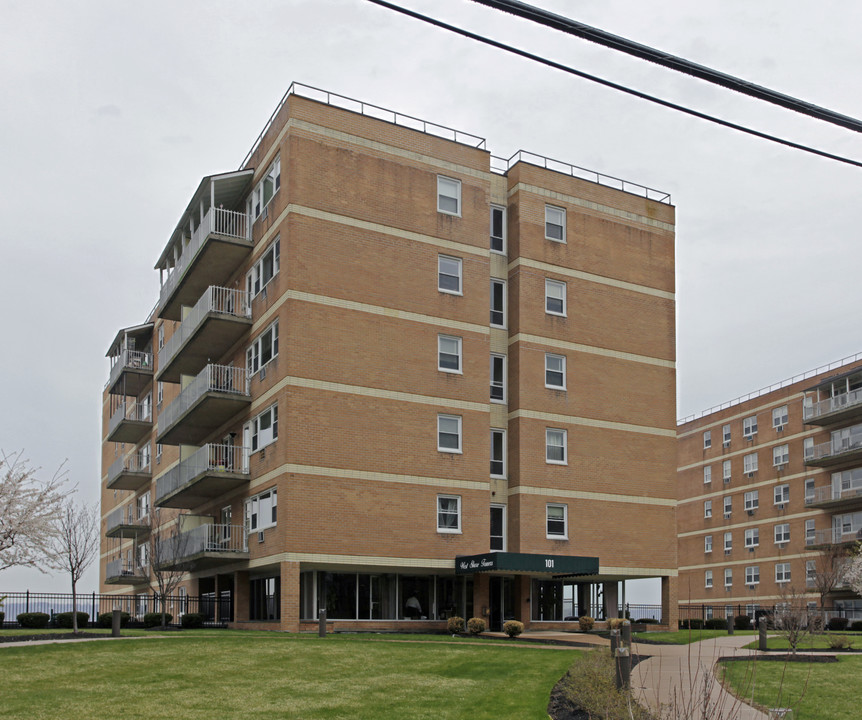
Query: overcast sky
{"points": [[111, 113]]}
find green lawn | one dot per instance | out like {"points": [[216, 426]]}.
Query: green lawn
{"points": [[816, 691], [684, 637], [779, 642], [236, 674]]}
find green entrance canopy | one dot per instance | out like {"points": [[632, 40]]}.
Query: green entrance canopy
{"points": [[507, 562]]}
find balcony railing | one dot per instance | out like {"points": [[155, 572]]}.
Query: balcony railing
{"points": [[211, 458], [127, 516], [129, 412], [224, 379], [827, 493], [844, 401], [217, 221], [137, 465], [201, 540], [134, 360], [219, 300], [123, 568], [833, 449], [833, 536]]}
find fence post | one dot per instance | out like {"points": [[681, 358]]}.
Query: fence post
{"points": [[93, 615], [27, 606], [321, 628]]}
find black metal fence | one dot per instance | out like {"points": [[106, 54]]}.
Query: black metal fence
{"points": [[754, 611]]}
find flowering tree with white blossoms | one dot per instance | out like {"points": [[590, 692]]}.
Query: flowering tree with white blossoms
{"points": [[852, 572]]}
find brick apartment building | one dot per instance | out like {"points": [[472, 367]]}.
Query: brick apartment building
{"points": [[392, 376], [771, 484]]}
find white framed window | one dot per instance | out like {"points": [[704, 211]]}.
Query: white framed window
{"points": [[749, 463], [781, 494], [782, 533], [557, 521], [725, 470], [263, 350], [498, 229], [810, 573], [160, 393], [555, 446], [707, 474], [498, 303], [261, 510], [752, 575], [448, 195], [449, 274], [707, 439], [809, 490], [555, 223], [725, 435], [498, 378], [707, 543], [707, 579], [810, 532], [752, 537], [707, 508], [780, 455], [160, 335], [498, 528], [263, 429], [264, 270], [158, 452], [779, 417], [498, 452], [555, 371], [555, 297], [449, 354], [749, 426], [782, 573], [808, 448], [752, 500], [145, 456], [728, 542], [265, 190], [728, 506], [143, 557], [142, 506], [728, 580], [448, 513], [449, 433]]}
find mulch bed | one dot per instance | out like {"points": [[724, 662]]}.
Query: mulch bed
{"points": [[559, 708], [50, 636]]}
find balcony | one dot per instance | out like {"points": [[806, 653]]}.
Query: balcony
{"points": [[217, 394], [204, 546], [219, 318], [829, 497], [130, 473], [121, 572], [123, 522], [210, 472], [130, 422], [832, 536], [131, 372], [842, 408], [835, 452]]}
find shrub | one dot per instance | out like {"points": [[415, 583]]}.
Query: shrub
{"points": [[106, 619], [742, 622], [839, 642], [476, 626], [590, 686], [855, 626], [837, 623], [64, 620], [455, 625], [716, 624], [647, 621], [616, 623], [513, 628], [192, 620], [152, 620], [586, 623], [691, 624], [35, 620], [2, 617]]}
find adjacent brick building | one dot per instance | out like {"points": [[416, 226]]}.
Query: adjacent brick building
{"points": [[395, 377]]}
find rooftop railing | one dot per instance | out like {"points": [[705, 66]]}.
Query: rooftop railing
{"points": [[209, 458], [213, 378], [202, 539], [129, 360], [832, 404]]}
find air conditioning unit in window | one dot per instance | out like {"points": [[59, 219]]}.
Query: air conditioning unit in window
{"points": [[260, 536], [779, 428], [751, 548], [779, 467], [726, 516], [727, 552], [749, 474], [726, 444], [751, 587], [263, 372], [726, 480], [780, 506], [750, 512]]}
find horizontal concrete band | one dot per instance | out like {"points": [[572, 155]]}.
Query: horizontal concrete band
{"points": [[593, 496], [719, 564]]}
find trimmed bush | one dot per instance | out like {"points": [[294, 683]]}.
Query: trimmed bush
{"points": [[586, 623], [455, 625], [855, 626], [64, 620], [152, 620], [513, 628], [691, 624], [647, 621], [35, 620], [192, 620], [837, 623], [716, 624], [742, 622], [106, 619], [475, 626]]}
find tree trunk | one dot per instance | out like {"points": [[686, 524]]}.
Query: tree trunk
{"points": [[74, 610]]}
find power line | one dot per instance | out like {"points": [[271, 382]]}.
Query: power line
{"points": [[613, 85], [674, 62]]}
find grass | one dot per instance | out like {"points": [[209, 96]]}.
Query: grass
{"points": [[684, 637], [247, 674], [816, 691], [810, 642]]}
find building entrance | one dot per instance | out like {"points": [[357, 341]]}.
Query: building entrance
{"points": [[501, 602]]}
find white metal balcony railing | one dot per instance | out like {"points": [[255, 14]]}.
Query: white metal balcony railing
{"points": [[205, 538], [832, 404], [123, 568], [216, 221], [213, 378], [136, 462], [209, 458], [125, 516], [833, 536], [224, 301], [826, 493], [134, 411], [833, 448], [129, 359]]}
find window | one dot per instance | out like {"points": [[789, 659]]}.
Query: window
{"points": [[728, 542], [707, 508], [782, 572], [752, 537], [725, 435], [264, 599], [555, 223], [142, 506], [555, 446], [498, 303], [449, 433], [498, 527], [808, 448], [728, 506], [707, 544], [555, 297], [449, 354], [780, 456], [265, 189], [809, 490], [557, 521], [261, 510], [161, 336], [707, 579], [448, 195], [810, 533], [752, 501], [707, 439], [448, 513], [779, 417], [555, 371], [498, 229], [781, 494], [264, 270], [262, 350], [728, 578], [810, 573], [749, 463], [725, 470], [262, 430], [707, 474], [449, 274], [158, 452], [752, 575], [160, 393], [749, 426], [498, 452], [498, 378], [782, 533]]}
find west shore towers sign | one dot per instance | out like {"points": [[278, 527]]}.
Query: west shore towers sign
{"points": [[506, 562]]}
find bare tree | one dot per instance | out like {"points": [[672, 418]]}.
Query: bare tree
{"points": [[166, 559], [829, 568], [28, 507], [793, 618], [76, 544]]}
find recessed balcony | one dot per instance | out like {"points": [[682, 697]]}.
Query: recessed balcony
{"points": [[124, 522], [219, 318], [217, 394], [205, 546], [121, 572], [829, 497], [130, 422], [209, 472], [130, 473], [835, 452], [131, 372]]}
